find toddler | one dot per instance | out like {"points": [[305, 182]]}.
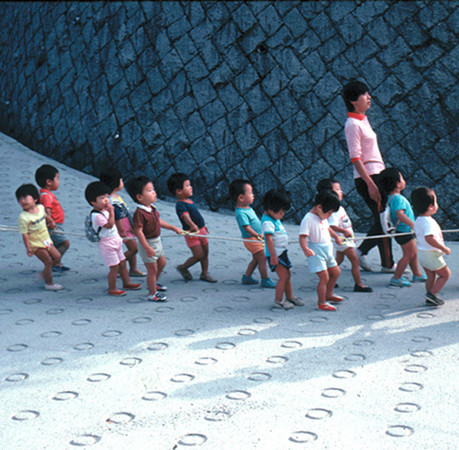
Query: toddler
{"points": [[402, 215], [191, 220], [275, 203], [147, 227], [112, 178], [47, 177], [32, 226], [431, 246], [241, 193], [110, 244], [315, 230], [341, 224]]}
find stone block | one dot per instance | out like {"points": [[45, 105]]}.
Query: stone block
{"points": [[226, 36], [285, 104], [230, 157], [229, 96], [289, 62], [203, 92], [246, 137], [221, 134], [172, 11], [413, 34], [325, 130], [259, 162], [274, 81], [327, 88], [252, 39], [210, 55], [202, 33], [340, 10], [426, 56], [365, 48], [235, 59], [323, 26], [218, 14], [400, 12], [140, 96], [306, 44], [267, 121], [248, 78], [257, 100], [269, 20], [282, 38], [169, 122], [388, 91], [380, 31], [314, 65], [288, 167], [295, 23], [178, 29], [368, 11], [350, 29], [185, 107], [243, 17], [155, 80], [185, 48], [194, 12], [194, 126], [196, 70], [179, 86], [202, 148], [213, 111]]}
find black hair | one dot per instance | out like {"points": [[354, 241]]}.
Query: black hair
{"points": [[326, 184], [44, 173], [176, 181], [328, 200], [421, 199], [275, 200], [111, 177], [94, 190], [237, 188], [27, 189], [352, 91], [389, 179], [135, 186]]}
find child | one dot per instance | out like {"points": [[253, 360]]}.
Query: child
{"points": [[111, 177], [275, 203], [431, 246], [110, 244], [401, 214], [188, 213], [32, 226], [147, 227], [341, 224], [241, 193], [47, 177], [314, 228]]}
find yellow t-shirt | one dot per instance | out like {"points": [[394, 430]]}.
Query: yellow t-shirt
{"points": [[35, 226]]}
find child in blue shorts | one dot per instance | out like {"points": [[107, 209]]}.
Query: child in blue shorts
{"points": [[275, 203], [315, 231]]}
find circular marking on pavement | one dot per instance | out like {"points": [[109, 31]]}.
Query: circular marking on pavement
{"points": [[344, 374], [382, 306], [210, 290], [24, 321], [188, 299], [426, 315], [259, 376], [318, 319], [84, 440], [131, 362], [363, 343], [184, 332], [333, 393], [217, 416], [225, 345], [15, 377], [276, 359], [135, 300], [141, 320], [83, 346], [65, 395], [164, 309], [247, 332], [84, 300], [421, 339], [263, 320], [27, 272], [51, 361], [156, 346], [13, 291], [415, 368], [98, 377], [387, 296], [111, 333], [223, 309], [407, 407], [17, 347], [230, 282], [318, 413], [182, 378], [26, 414], [90, 280], [238, 395], [53, 311], [192, 439], [153, 396], [81, 322], [221, 266], [375, 317], [206, 361], [120, 418], [302, 437], [399, 431], [355, 357], [32, 301], [50, 334], [411, 387], [241, 299], [291, 344], [421, 353], [5, 311]]}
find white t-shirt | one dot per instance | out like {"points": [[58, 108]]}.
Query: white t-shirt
{"points": [[315, 228], [426, 226], [99, 219]]}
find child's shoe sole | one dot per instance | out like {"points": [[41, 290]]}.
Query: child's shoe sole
{"points": [[117, 293], [326, 307]]}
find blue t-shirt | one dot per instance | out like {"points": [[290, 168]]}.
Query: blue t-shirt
{"points": [[247, 216], [277, 229], [190, 208], [398, 202]]}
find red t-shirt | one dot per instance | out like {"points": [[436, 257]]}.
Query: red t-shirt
{"points": [[49, 200]]}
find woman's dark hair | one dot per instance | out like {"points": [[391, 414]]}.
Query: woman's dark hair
{"points": [[135, 186], [237, 188], [176, 181], [27, 189], [275, 200], [94, 190], [111, 177], [352, 91], [328, 200], [421, 199]]}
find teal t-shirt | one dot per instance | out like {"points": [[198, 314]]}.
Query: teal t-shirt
{"points": [[397, 202], [247, 216]]}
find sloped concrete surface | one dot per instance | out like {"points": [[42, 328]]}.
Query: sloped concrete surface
{"points": [[216, 367]]}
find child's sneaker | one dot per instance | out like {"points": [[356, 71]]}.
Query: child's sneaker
{"points": [[248, 280], [296, 301], [117, 293], [137, 273], [363, 261], [433, 300], [267, 283], [421, 279], [185, 273], [158, 297], [283, 304], [53, 287], [60, 269], [326, 307], [161, 287], [132, 286], [401, 282]]}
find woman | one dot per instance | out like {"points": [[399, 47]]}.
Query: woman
{"points": [[364, 152]]}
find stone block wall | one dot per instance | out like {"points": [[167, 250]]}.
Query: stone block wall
{"points": [[222, 90]]}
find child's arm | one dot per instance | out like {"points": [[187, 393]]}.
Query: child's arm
{"points": [[335, 236], [26, 239], [272, 252], [187, 219], [304, 246], [431, 240], [344, 231], [402, 217], [49, 219], [168, 226], [111, 217], [252, 232], [143, 241], [120, 228]]}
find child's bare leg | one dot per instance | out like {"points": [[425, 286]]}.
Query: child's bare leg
{"points": [[205, 259], [63, 247], [196, 250], [355, 265], [333, 274], [152, 272], [340, 256], [160, 264], [443, 276], [251, 267], [131, 255], [414, 262], [282, 285], [431, 275], [322, 286], [409, 251], [112, 274], [261, 262], [43, 255], [124, 274]]}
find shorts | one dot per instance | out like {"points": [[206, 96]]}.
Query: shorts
{"points": [[343, 247], [157, 246], [111, 250], [127, 229], [283, 260], [431, 259], [57, 238], [255, 246], [193, 241], [323, 258], [402, 240]]}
